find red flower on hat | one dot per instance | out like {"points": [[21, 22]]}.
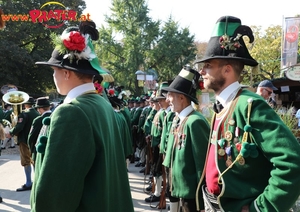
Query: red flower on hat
{"points": [[98, 87], [111, 92], [75, 42]]}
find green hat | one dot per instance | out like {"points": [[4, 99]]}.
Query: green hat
{"points": [[227, 41], [159, 93], [74, 51]]}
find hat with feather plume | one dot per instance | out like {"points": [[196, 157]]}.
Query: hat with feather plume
{"points": [[74, 51], [227, 41]]}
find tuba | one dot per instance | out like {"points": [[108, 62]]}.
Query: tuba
{"points": [[15, 98]]}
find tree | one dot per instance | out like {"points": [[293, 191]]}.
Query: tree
{"points": [[124, 57], [133, 41], [174, 49], [266, 49], [24, 42]]}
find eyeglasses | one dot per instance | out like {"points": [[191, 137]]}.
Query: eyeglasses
{"points": [[269, 92]]}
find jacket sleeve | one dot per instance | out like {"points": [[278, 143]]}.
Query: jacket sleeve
{"points": [[20, 124], [280, 147]]}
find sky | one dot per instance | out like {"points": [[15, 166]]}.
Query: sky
{"points": [[200, 16]]}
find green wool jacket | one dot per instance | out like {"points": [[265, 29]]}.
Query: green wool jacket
{"points": [[186, 157], [167, 124], [148, 122], [81, 165], [1, 113], [132, 111], [268, 181], [136, 116], [156, 128], [125, 133], [34, 133], [142, 119], [126, 112], [7, 116], [22, 128]]}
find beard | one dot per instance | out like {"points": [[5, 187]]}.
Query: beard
{"points": [[214, 83]]}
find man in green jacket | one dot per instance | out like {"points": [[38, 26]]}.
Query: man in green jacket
{"points": [[253, 158], [187, 142], [156, 135], [21, 130], [43, 108], [80, 162]]}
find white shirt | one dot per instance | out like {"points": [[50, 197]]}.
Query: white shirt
{"points": [[185, 112], [298, 117], [77, 91], [228, 93]]}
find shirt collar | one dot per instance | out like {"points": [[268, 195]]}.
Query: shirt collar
{"points": [[77, 91], [48, 111], [224, 96], [168, 109], [185, 112]]}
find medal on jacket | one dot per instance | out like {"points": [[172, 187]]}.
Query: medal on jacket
{"points": [[221, 143], [229, 158], [181, 138], [241, 161], [228, 135]]}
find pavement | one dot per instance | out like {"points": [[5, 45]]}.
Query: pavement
{"points": [[13, 176]]}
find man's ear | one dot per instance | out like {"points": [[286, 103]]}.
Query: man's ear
{"points": [[66, 74], [228, 68]]}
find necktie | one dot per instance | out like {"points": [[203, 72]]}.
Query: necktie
{"points": [[217, 107]]}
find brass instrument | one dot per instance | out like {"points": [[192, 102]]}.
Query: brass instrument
{"points": [[15, 98]]}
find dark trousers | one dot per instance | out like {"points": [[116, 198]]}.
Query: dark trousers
{"points": [[188, 205], [157, 160]]}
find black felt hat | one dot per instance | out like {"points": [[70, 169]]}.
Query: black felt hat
{"points": [[30, 101], [186, 82], [42, 102], [227, 41], [74, 51]]}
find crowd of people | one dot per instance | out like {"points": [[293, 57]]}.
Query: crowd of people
{"points": [[246, 159]]}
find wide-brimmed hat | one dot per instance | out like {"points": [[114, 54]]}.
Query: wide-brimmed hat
{"points": [[186, 82], [159, 93], [42, 102], [74, 51], [30, 101], [227, 41]]}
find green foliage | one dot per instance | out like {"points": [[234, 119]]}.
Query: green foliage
{"points": [[287, 115], [133, 41], [23, 43], [267, 51]]}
